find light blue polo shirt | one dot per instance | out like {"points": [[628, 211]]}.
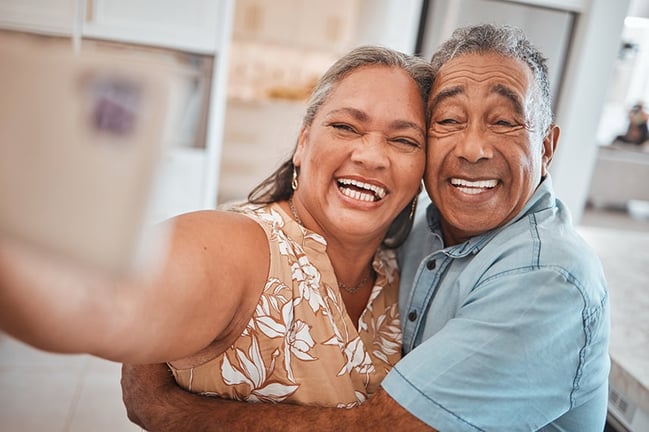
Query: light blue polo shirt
{"points": [[507, 331]]}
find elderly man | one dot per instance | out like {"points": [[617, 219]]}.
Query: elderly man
{"points": [[504, 308]]}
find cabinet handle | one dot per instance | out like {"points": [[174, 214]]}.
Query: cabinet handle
{"points": [[90, 9]]}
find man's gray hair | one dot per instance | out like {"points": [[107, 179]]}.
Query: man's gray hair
{"points": [[506, 41]]}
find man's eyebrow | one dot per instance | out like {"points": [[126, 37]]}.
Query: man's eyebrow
{"points": [[445, 94], [511, 95], [362, 116]]}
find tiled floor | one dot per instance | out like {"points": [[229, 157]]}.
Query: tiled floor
{"points": [[58, 393], [61, 393]]}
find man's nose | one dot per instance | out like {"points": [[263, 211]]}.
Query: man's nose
{"points": [[474, 145]]}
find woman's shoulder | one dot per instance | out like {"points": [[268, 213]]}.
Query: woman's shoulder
{"points": [[253, 210], [218, 226]]}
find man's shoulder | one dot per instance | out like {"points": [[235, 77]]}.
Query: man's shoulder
{"points": [[547, 243], [547, 235]]}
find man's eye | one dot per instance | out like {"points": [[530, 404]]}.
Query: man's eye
{"points": [[504, 123], [447, 121]]}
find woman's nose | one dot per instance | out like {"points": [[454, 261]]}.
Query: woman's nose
{"points": [[371, 150]]}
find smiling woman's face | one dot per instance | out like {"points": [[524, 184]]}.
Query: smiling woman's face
{"points": [[484, 158], [362, 158]]}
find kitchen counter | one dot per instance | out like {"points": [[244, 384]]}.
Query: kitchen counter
{"points": [[625, 257], [621, 174]]}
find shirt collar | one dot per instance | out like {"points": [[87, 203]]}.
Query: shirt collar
{"points": [[542, 198]]}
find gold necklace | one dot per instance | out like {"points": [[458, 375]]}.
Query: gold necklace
{"points": [[292, 207], [354, 289], [348, 289]]}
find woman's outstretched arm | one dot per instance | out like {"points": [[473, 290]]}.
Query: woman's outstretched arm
{"points": [[204, 293]]}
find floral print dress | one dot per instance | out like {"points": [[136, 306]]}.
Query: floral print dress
{"points": [[300, 346]]}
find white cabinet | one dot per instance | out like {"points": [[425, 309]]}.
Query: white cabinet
{"points": [[327, 25], [191, 37], [180, 187], [261, 20], [189, 25], [56, 17], [310, 24], [250, 154]]}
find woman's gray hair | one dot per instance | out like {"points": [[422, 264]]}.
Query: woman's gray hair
{"points": [[417, 68], [506, 41], [277, 187]]}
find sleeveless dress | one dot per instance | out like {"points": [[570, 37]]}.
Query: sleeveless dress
{"points": [[300, 346]]}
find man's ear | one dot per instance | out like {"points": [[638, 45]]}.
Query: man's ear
{"points": [[549, 147], [301, 143]]}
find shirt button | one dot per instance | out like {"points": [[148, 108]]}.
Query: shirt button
{"points": [[412, 315], [430, 265]]}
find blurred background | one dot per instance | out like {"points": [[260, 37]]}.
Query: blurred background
{"points": [[242, 70]]}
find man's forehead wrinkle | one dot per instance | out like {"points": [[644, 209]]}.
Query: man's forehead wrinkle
{"points": [[471, 74]]}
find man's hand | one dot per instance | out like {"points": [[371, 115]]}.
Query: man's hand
{"points": [[144, 390], [156, 403]]}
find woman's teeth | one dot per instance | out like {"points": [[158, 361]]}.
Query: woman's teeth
{"points": [[360, 191]]}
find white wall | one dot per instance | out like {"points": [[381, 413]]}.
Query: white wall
{"points": [[391, 23], [584, 89]]}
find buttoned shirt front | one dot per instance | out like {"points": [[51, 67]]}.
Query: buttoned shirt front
{"points": [[507, 331]]}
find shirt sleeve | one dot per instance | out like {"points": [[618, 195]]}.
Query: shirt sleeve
{"points": [[509, 359]]}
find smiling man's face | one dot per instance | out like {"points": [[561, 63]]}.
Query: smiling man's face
{"points": [[484, 157]]}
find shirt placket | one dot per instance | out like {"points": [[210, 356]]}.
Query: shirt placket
{"points": [[427, 280]]}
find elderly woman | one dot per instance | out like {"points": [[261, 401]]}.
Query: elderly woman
{"points": [[291, 296]]}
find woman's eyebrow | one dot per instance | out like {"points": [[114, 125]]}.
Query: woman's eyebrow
{"points": [[405, 124], [356, 113]]}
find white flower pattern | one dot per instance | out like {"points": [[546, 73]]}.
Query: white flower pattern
{"points": [[300, 345]]}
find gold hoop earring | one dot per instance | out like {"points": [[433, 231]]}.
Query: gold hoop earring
{"points": [[294, 183], [413, 207]]}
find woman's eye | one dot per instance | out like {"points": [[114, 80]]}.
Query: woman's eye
{"points": [[405, 144], [343, 127], [447, 121]]}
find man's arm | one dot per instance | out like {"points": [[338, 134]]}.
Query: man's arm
{"points": [[156, 403]]}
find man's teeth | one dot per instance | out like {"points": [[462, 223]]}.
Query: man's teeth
{"points": [[368, 192], [473, 187]]}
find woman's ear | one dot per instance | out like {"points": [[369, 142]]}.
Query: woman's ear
{"points": [[301, 144], [549, 147]]}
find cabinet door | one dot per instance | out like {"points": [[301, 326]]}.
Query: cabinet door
{"points": [[310, 24], [327, 26], [57, 17], [267, 21], [180, 186], [190, 25]]}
